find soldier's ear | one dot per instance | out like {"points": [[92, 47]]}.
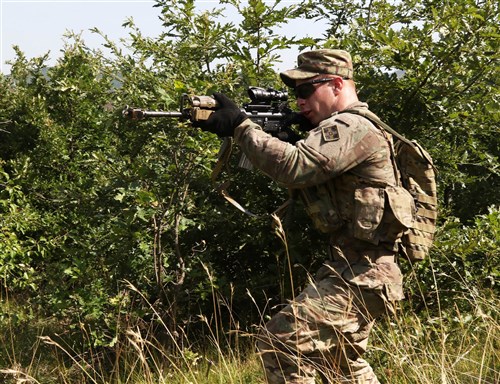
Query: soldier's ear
{"points": [[337, 84]]}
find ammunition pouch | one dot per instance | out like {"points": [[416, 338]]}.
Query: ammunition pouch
{"points": [[369, 204], [382, 214], [321, 206]]}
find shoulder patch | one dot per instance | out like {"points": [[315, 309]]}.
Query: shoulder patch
{"points": [[330, 133]]}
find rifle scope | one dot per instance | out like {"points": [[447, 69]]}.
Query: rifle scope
{"points": [[260, 94]]}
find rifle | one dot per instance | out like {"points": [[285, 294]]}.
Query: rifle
{"points": [[268, 108]]}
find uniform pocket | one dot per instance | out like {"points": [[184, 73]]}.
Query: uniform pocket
{"points": [[402, 205], [320, 205], [384, 279], [369, 205]]}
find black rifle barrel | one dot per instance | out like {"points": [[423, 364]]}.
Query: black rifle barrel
{"points": [[139, 114], [171, 114]]}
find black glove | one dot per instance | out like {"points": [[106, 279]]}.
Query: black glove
{"points": [[299, 119], [223, 120], [288, 135]]}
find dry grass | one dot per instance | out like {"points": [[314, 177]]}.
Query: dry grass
{"points": [[408, 349], [449, 347]]}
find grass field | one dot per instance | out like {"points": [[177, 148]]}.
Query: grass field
{"points": [[459, 349]]}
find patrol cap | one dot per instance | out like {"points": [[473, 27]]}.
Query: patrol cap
{"points": [[317, 62]]}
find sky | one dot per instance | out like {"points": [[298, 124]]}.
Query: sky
{"points": [[38, 26]]}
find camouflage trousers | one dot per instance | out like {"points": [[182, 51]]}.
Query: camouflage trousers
{"points": [[324, 330]]}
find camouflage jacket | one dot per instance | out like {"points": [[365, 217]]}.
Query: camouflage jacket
{"points": [[345, 176]]}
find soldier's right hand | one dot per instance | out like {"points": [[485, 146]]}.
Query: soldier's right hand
{"points": [[303, 123]]}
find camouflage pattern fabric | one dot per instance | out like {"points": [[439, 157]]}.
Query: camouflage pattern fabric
{"points": [[324, 331], [339, 144], [344, 174], [321, 61]]}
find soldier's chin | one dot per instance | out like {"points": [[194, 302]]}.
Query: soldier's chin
{"points": [[314, 121]]}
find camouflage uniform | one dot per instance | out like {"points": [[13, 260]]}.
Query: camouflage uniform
{"points": [[344, 174]]}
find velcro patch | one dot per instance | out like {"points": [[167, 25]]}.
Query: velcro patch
{"points": [[330, 133]]}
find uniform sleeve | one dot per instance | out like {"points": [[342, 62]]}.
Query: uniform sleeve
{"points": [[334, 147]]}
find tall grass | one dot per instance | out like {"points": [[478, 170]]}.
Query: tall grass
{"points": [[459, 345], [463, 348]]}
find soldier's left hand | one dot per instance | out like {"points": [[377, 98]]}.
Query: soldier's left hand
{"points": [[223, 120]]}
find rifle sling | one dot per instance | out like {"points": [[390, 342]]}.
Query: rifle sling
{"points": [[375, 119], [222, 160]]}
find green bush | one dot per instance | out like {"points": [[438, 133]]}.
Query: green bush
{"points": [[91, 202]]}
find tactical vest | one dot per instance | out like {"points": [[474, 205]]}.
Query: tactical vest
{"points": [[369, 212], [418, 177]]}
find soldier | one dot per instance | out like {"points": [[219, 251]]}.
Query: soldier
{"points": [[344, 173]]}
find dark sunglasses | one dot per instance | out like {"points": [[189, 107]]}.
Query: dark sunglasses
{"points": [[305, 90]]}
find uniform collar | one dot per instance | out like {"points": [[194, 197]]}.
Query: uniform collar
{"points": [[355, 105]]}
